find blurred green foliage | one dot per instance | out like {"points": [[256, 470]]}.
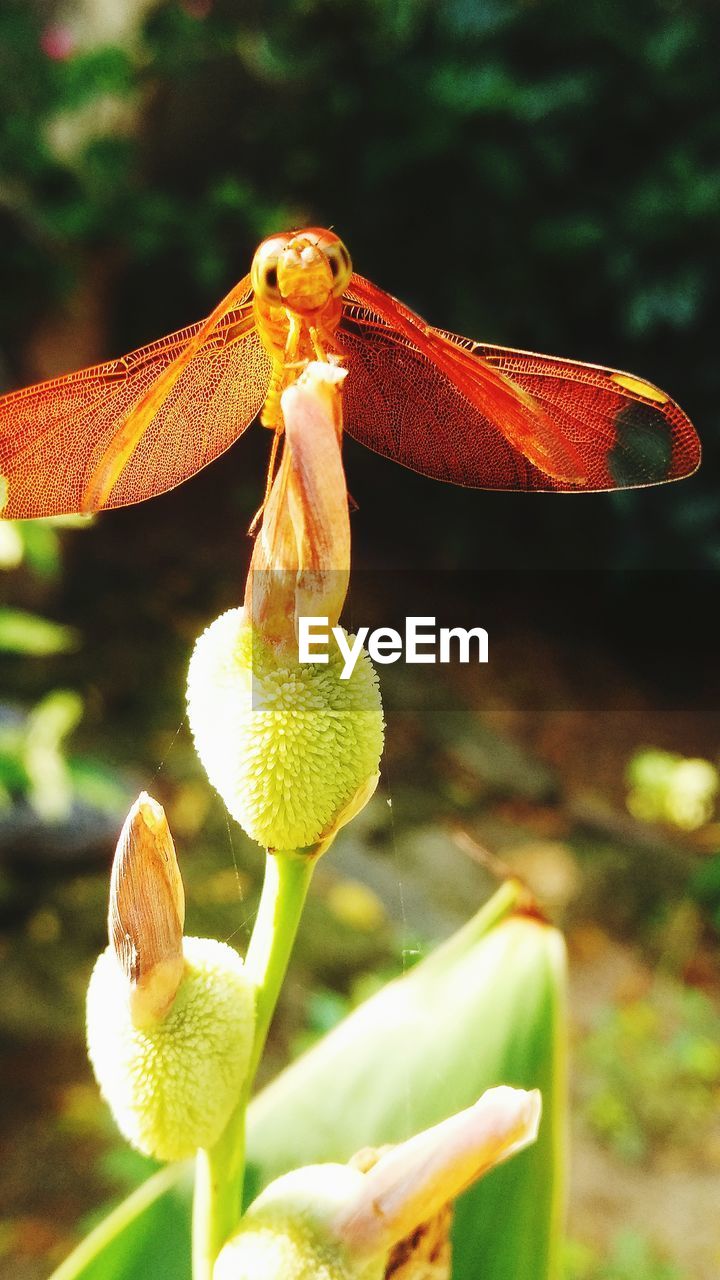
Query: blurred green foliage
{"points": [[34, 544], [22, 632], [705, 886], [651, 1074], [545, 175], [32, 760], [666, 787], [35, 768], [632, 1258]]}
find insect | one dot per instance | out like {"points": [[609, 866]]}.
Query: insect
{"points": [[461, 411]]}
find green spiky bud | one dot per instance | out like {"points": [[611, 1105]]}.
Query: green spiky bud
{"points": [[170, 1020], [287, 1233], [292, 748], [171, 1086]]}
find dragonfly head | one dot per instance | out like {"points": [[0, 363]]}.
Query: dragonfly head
{"points": [[301, 270]]}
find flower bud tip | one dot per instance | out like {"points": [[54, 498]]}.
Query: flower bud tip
{"points": [[412, 1182], [147, 911]]}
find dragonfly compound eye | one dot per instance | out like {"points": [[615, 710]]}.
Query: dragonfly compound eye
{"points": [[264, 274], [340, 265]]}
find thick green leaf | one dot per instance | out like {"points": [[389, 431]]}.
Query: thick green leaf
{"points": [[486, 1008]]}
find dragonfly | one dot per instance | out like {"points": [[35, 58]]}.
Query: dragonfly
{"points": [[470, 413]]}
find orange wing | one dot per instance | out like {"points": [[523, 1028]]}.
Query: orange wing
{"points": [[153, 417], [493, 418]]}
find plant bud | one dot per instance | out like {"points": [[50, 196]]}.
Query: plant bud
{"points": [[338, 1222], [412, 1182], [286, 1233], [170, 1020], [292, 748], [147, 911], [172, 1087], [426, 1254], [301, 560]]}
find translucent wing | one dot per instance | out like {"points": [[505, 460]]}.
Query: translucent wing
{"points": [[494, 418], [142, 424]]}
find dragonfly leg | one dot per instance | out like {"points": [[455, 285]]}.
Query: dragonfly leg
{"points": [[324, 341], [283, 372], [327, 335], [268, 483], [318, 348]]}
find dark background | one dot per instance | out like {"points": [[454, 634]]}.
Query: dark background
{"points": [[539, 174]]}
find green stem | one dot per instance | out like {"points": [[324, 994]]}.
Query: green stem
{"points": [[220, 1170]]}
